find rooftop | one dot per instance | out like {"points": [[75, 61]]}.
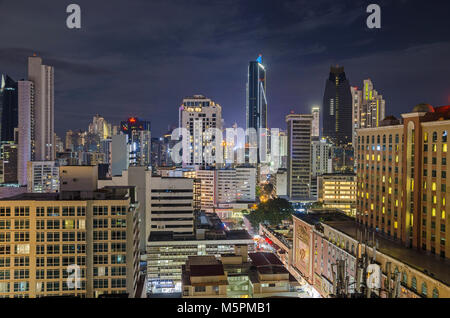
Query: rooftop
{"points": [[106, 193]]}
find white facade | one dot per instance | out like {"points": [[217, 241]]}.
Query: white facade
{"points": [[207, 188], [315, 130], [197, 114], [280, 183], [245, 184], [321, 161], [43, 176], [43, 121], [119, 154], [25, 106], [299, 155], [172, 205], [226, 186]]}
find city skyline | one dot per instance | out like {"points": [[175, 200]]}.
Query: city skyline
{"points": [[201, 150], [156, 64]]}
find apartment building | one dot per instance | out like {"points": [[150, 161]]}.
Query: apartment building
{"points": [[207, 180], [321, 239], [42, 176], [338, 191], [172, 205], [402, 178], [82, 244]]}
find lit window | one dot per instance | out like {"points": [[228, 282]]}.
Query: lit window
{"points": [[444, 147], [433, 212], [395, 224]]}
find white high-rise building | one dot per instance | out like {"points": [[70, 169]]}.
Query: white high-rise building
{"points": [[198, 113], [226, 186], [299, 155], [172, 205], [26, 133], [36, 117], [315, 131], [321, 160], [245, 184], [42, 123], [368, 107], [208, 197], [43, 177]]}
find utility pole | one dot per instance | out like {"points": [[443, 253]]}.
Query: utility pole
{"points": [[388, 280]]}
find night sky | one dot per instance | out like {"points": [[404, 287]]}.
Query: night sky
{"points": [[141, 57]]}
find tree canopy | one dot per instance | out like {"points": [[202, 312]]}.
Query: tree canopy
{"points": [[271, 212]]}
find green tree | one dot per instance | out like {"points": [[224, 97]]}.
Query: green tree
{"points": [[272, 212]]}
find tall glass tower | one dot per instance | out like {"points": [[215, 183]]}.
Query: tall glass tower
{"points": [[256, 95], [337, 107], [8, 108]]}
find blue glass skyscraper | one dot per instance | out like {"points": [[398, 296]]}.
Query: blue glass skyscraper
{"points": [[256, 95]]}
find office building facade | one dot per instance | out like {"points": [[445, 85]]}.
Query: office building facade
{"points": [[197, 114], [299, 155], [46, 237], [337, 108], [368, 107], [338, 191], [402, 178]]}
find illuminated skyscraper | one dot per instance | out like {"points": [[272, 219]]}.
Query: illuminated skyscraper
{"points": [[8, 108], [337, 108], [139, 140], [256, 95], [368, 107]]}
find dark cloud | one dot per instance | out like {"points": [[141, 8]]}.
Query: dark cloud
{"points": [[142, 57]]}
